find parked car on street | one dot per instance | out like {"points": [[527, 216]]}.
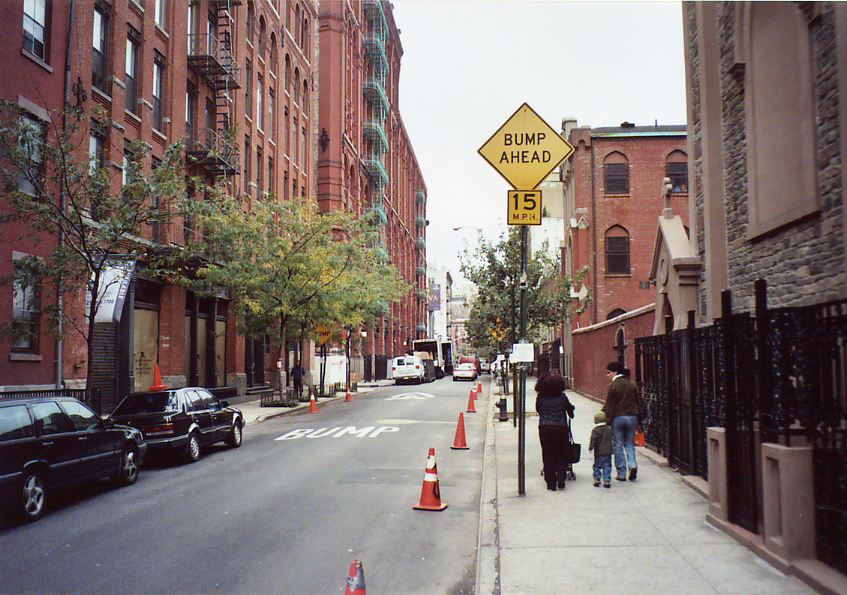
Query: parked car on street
{"points": [[484, 366], [182, 420], [465, 371], [410, 369], [47, 443], [472, 359]]}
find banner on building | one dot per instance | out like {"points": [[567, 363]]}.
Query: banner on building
{"points": [[115, 278], [433, 301]]}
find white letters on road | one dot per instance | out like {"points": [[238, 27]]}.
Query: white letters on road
{"points": [[337, 432], [410, 396]]}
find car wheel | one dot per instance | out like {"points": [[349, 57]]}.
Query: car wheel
{"points": [[234, 438], [128, 471], [193, 447], [33, 496]]}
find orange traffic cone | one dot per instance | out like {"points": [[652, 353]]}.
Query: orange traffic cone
{"points": [[157, 379], [349, 397], [313, 406], [471, 408], [355, 579], [479, 387], [430, 492], [459, 441]]}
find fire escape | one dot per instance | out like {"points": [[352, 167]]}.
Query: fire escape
{"points": [[420, 249], [212, 56], [373, 128]]}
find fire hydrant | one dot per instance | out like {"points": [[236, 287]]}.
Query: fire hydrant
{"points": [[502, 405]]}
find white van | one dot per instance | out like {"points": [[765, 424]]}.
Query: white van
{"points": [[408, 369]]}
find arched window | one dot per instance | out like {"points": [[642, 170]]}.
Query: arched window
{"points": [[305, 97], [617, 251], [296, 86], [676, 168], [261, 44], [287, 73], [616, 174], [780, 104], [250, 22], [614, 314], [304, 33], [272, 54], [296, 23]]}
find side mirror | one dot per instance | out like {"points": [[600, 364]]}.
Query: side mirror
{"points": [[108, 423], [223, 404]]}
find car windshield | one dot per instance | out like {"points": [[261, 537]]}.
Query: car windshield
{"points": [[158, 402]]}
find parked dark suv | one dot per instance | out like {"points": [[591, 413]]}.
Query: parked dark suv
{"points": [[181, 419], [51, 442]]}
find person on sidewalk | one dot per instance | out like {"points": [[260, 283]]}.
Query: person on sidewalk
{"points": [[554, 408], [601, 444], [622, 408], [298, 372]]}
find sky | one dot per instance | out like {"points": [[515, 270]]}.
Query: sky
{"points": [[467, 66]]}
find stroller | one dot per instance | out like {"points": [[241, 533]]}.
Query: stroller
{"points": [[573, 452]]}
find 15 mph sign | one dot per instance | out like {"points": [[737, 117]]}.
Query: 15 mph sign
{"points": [[525, 149]]}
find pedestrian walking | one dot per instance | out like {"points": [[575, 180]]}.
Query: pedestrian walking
{"points": [[601, 444], [554, 411], [298, 372], [622, 409]]}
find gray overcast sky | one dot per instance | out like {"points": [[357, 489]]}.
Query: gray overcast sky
{"points": [[469, 65]]}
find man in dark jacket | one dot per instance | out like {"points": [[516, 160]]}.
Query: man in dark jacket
{"points": [[622, 409]]}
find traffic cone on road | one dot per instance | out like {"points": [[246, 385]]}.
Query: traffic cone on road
{"points": [[349, 397], [430, 492], [355, 579], [479, 387], [313, 406], [459, 442], [471, 408], [157, 379]]}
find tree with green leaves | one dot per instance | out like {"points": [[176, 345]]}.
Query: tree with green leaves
{"points": [[91, 215], [495, 269], [291, 266]]}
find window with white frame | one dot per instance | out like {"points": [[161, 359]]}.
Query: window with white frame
{"points": [[24, 312], [31, 166], [133, 42], [35, 27], [100, 42], [158, 90]]}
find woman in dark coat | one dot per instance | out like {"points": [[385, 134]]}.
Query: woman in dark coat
{"points": [[554, 408]]}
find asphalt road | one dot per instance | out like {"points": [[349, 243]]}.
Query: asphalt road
{"points": [[285, 513]]}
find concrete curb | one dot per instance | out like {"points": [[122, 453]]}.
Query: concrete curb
{"points": [[488, 544]]}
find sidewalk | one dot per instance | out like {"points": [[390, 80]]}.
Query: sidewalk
{"points": [[649, 536]]}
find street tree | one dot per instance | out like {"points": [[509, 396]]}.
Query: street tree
{"points": [[89, 216], [291, 266], [495, 268]]}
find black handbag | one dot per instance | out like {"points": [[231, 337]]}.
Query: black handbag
{"points": [[572, 449]]}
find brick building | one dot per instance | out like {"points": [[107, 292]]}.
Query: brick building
{"points": [[238, 82], [366, 163], [612, 192]]}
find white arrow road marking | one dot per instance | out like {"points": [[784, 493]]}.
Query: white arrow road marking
{"points": [[410, 396]]}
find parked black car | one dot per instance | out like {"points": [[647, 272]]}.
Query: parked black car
{"points": [[181, 419], [51, 442]]}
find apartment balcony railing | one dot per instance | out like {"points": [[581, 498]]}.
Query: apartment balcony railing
{"points": [[374, 91], [208, 149], [420, 244], [376, 213], [421, 327], [375, 13], [420, 197], [421, 295], [374, 132], [376, 171], [213, 59], [375, 49], [420, 270], [420, 221]]}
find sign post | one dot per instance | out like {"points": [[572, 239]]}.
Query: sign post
{"points": [[524, 150]]}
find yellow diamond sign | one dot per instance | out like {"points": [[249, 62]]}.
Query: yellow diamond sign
{"points": [[525, 149], [322, 333]]}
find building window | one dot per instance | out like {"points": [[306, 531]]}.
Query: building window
{"points": [[616, 174], [260, 46], [270, 174], [296, 85], [303, 150], [250, 22], [30, 169], [285, 186], [294, 142], [100, 46], [260, 187], [617, 251], [246, 161], [248, 86], [158, 90], [159, 13], [155, 222], [35, 19], [133, 41], [96, 171], [676, 169], [260, 90], [191, 112], [24, 313], [270, 112]]}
